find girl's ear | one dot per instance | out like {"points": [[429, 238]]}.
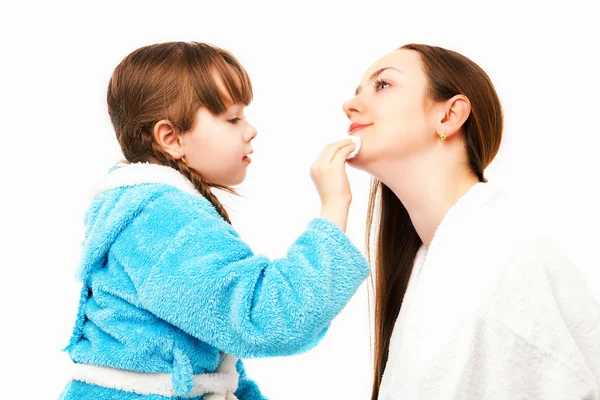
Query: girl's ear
{"points": [[168, 138]]}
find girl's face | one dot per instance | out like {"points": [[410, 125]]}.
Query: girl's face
{"points": [[391, 112], [219, 146]]}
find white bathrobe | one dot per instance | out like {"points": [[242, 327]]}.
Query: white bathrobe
{"points": [[492, 311]]}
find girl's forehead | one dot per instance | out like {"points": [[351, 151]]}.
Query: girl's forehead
{"points": [[234, 86]]}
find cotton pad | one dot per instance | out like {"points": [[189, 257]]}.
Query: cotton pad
{"points": [[356, 141]]}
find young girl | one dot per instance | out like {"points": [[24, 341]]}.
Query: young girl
{"points": [[470, 302], [171, 295]]}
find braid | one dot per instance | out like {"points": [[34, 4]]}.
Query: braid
{"points": [[202, 187], [199, 184]]}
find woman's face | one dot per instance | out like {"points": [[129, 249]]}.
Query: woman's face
{"points": [[391, 111]]}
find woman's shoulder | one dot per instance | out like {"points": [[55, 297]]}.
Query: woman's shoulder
{"points": [[504, 241], [502, 225], [515, 270], [498, 252]]}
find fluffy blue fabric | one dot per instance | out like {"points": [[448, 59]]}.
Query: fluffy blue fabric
{"points": [[168, 284]]}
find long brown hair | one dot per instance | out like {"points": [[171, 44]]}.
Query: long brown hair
{"points": [[397, 242], [171, 81]]}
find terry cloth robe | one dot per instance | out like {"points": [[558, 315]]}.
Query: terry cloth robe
{"points": [[168, 284], [492, 311]]}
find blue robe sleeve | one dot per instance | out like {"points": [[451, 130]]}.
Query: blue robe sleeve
{"points": [[192, 270]]}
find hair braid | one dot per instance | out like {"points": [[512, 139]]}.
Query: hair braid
{"points": [[200, 184], [202, 187]]}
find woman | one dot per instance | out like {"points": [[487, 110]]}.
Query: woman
{"points": [[470, 302]]}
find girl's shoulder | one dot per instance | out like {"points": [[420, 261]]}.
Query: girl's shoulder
{"points": [[153, 188]]}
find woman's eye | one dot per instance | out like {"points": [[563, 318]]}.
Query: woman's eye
{"points": [[380, 84]]}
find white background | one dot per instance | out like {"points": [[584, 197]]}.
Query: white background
{"points": [[305, 59]]}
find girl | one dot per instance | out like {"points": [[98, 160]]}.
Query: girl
{"points": [[470, 303], [171, 295]]}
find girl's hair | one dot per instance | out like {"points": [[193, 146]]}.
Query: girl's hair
{"points": [[397, 242], [171, 81]]}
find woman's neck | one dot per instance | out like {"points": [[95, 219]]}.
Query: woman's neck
{"points": [[428, 189]]}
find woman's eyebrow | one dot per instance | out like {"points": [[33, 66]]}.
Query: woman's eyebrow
{"points": [[374, 75]]}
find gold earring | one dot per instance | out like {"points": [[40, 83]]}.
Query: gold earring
{"points": [[182, 159], [443, 136]]}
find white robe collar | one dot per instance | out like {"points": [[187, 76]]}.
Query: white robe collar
{"points": [[139, 173], [476, 198]]}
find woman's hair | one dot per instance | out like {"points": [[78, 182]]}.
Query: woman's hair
{"points": [[171, 81], [397, 242]]}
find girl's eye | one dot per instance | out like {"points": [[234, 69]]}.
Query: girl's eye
{"points": [[234, 120], [380, 84]]}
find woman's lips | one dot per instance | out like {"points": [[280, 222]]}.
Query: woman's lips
{"points": [[357, 127]]}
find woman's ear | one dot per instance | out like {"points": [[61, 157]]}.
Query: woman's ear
{"points": [[168, 138], [457, 110]]}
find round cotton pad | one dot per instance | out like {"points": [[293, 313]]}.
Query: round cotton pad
{"points": [[356, 141]]}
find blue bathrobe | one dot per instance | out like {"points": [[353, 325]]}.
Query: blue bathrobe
{"points": [[168, 285]]}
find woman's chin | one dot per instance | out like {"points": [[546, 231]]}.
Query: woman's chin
{"points": [[357, 162]]}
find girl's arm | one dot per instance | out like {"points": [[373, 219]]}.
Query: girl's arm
{"points": [[199, 276]]}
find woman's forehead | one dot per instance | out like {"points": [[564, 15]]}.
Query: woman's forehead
{"points": [[406, 61]]}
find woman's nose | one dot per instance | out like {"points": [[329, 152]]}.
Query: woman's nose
{"points": [[351, 107]]}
